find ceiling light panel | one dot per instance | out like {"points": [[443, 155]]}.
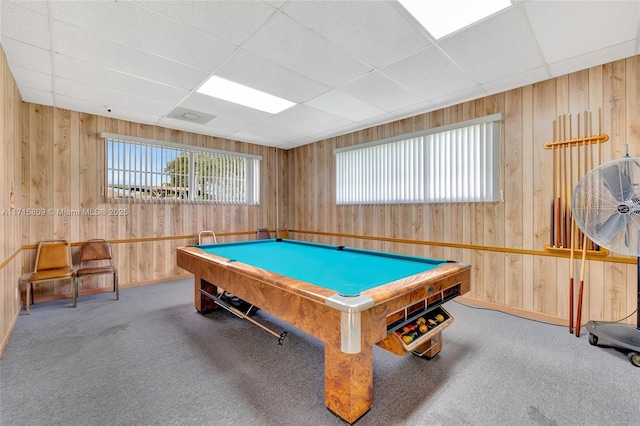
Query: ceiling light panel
{"points": [[442, 17], [237, 93]]}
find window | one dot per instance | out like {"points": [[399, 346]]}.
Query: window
{"points": [[139, 170], [457, 163]]}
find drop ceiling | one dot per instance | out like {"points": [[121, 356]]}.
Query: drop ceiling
{"points": [[347, 65]]}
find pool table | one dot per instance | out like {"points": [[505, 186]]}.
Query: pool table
{"points": [[351, 299]]}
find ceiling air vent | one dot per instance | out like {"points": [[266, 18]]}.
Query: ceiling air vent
{"points": [[190, 115]]}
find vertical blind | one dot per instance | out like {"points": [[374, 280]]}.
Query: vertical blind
{"points": [[139, 170], [458, 163]]}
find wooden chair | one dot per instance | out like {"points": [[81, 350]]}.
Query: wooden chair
{"points": [[282, 233], [263, 234], [53, 262], [96, 259], [207, 237]]}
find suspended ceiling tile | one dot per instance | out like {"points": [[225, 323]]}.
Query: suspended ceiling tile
{"points": [[296, 47], [112, 98], [259, 73], [378, 90], [133, 115], [259, 139], [290, 145], [271, 133], [566, 30], [519, 80], [29, 79], [84, 72], [26, 56], [464, 95], [351, 28], [130, 24], [302, 129], [76, 43], [344, 105], [429, 73], [20, 23], [233, 21], [315, 117], [36, 96], [228, 125], [41, 7], [588, 60], [495, 48]]}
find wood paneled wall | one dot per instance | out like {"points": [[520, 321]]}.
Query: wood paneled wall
{"points": [[54, 159], [527, 280], [63, 170], [10, 176]]}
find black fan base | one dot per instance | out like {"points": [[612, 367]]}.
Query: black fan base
{"points": [[625, 336]]}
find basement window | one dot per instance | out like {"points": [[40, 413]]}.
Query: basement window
{"points": [[144, 170], [456, 163]]}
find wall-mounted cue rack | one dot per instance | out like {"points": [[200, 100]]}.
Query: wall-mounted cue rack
{"points": [[576, 150]]}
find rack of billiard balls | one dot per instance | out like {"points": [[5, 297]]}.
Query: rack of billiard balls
{"points": [[421, 326]]}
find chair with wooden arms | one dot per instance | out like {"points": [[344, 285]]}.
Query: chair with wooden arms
{"points": [[53, 262], [263, 234], [207, 237], [96, 259]]}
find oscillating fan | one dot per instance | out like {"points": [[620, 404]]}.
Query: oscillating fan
{"points": [[606, 207]]}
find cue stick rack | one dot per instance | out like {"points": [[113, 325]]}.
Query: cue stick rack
{"points": [[576, 150]]}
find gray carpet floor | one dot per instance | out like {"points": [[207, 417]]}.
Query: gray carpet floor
{"points": [[151, 359]]}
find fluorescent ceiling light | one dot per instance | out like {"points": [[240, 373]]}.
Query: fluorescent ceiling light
{"points": [[442, 17], [237, 93]]}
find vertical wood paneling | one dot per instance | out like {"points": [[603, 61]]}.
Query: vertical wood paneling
{"points": [[11, 175], [64, 159], [513, 203], [522, 221], [527, 187], [544, 113]]}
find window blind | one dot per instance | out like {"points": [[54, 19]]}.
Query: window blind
{"points": [[457, 163], [144, 170]]}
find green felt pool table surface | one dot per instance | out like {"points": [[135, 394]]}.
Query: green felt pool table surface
{"points": [[345, 270]]}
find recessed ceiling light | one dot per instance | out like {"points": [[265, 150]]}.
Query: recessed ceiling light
{"points": [[237, 93], [442, 17]]}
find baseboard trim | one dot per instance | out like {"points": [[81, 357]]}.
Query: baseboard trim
{"points": [[519, 312]]}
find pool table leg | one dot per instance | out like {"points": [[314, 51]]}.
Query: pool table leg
{"points": [[348, 381], [202, 303]]}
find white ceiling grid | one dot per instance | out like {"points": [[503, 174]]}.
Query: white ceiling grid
{"points": [[347, 64]]}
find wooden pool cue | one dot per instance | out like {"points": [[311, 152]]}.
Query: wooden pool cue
{"points": [[243, 315], [553, 231], [587, 164], [561, 162], [571, 268], [581, 291], [565, 185], [571, 242]]}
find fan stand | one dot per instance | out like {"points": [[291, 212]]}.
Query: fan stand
{"points": [[625, 336]]}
